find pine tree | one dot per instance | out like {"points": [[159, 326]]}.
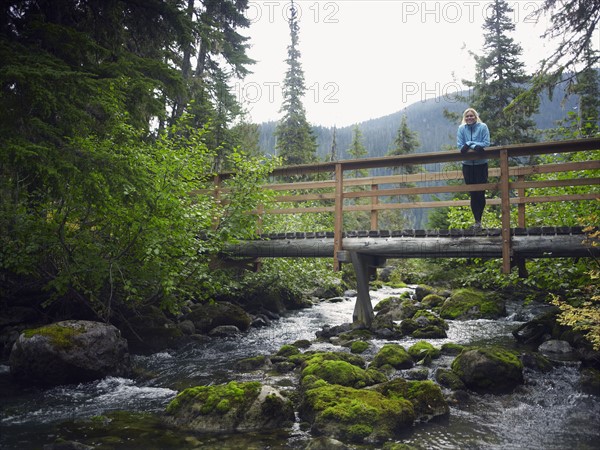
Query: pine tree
{"points": [[406, 142], [357, 150], [296, 143], [499, 79], [333, 152], [576, 23]]}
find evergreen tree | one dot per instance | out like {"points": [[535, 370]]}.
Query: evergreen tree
{"points": [[296, 143], [333, 152], [357, 150], [587, 87], [575, 22], [406, 142], [499, 79]]}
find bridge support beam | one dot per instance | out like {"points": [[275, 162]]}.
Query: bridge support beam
{"points": [[363, 309]]}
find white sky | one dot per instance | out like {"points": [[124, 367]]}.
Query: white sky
{"points": [[364, 59]]}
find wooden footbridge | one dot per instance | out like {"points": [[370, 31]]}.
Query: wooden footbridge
{"points": [[571, 172]]}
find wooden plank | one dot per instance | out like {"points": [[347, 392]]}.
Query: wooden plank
{"points": [[476, 246]]}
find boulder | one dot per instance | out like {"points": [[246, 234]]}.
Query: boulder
{"points": [[426, 396], [229, 408], [489, 370], [393, 355], [424, 325], [71, 351], [211, 315], [538, 329], [355, 415], [466, 304]]}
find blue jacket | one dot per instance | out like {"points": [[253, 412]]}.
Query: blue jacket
{"points": [[472, 135]]}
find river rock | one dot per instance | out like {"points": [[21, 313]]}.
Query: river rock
{"points": [[554, 346], [491, 369], [355, 415], [467, 304], [537, 329], [229, 408], [211, 315], [70, 351]]}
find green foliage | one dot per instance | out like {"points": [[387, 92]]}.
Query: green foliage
{"points": [[120, 226]]}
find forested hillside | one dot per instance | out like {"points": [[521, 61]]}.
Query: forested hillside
{"points": [[426, 118]]}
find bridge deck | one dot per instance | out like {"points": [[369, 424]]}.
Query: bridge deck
{"points": [[539, 242]]}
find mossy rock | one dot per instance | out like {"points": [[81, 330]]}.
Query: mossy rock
{"points": [[248, 364], [432, 300], [358, 347], [313, 357], [288, 350], [489, 369], [231, 407], [426, 396], [70, 351], [355, 415], [424, 352], [348, 337], [423, 290], [449, 379], [536, 361], [450, 348], [424, 325], [465, 304], [211, 315], [339, 372], [393, 355]]}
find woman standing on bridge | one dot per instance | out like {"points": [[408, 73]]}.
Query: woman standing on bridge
{"points": [[473, 136]]}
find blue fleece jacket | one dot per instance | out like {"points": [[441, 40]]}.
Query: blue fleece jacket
{"points": [[472, 135]]}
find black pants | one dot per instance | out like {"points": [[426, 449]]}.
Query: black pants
{"points": [[476, 174]]}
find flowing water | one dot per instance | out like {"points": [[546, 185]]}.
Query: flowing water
{"points": [[546, 413]]}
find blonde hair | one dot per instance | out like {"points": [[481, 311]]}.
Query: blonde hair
{"points": [[468, 110]]}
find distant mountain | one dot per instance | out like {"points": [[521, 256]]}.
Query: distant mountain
{"points": [[424, 117]]}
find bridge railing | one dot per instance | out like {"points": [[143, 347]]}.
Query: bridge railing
{"points": [[338, 184]]}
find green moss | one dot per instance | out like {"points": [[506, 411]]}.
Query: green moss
{"points": [[432, 300], [288, 350], [356, 412], [423, 351], [393, 354], [358, 347], [216, 398], [341, 372], [426, 396], [60, 336], [310, 358], [468, 303], [451, 348], [385, 303]]}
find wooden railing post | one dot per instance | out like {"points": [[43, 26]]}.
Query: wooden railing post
{"points": [[374, 212], [338, 227], [505, 208]]}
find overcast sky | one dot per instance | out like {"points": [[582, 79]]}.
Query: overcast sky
{"points": [[364, 59]]}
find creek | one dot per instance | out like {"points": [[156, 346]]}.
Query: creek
{"points": [[546, 413]]}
